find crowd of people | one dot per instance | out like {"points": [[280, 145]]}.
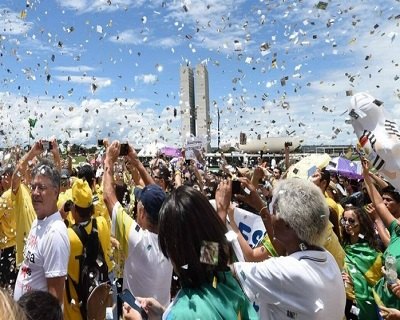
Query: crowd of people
{"points": [[75, 241]]}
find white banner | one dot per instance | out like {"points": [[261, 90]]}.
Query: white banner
{"points": [[250, 225]]}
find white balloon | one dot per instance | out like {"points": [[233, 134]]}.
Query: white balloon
{"points": [[378, 136]]}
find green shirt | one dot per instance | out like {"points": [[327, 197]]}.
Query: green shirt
{"points": [[383, 295], [225, 301]]}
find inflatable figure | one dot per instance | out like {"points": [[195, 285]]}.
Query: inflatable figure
{"points": [[378, 136]]}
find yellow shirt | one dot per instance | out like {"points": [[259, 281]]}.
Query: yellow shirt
{"points": [[7, 221], [332, 245], [100, 208], [71, 308], [337, 207], [24, 216]]}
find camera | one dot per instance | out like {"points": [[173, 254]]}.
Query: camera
{"points": [[100, 142], [47, 145], [123, 151], [68, 205]]}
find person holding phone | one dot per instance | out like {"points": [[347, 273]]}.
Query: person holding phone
{"points": [[146, 270], [192, 236]]}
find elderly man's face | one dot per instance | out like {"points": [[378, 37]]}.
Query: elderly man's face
{"points": [[44, 196]]}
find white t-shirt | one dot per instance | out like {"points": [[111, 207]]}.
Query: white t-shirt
{"points": [[46, 255], [303, 286], [147, 273]]}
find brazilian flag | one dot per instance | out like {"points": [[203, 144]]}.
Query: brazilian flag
{"points": [[363, 264], [32, 124]]}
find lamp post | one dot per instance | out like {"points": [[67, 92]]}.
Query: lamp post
{"points": [[218, 119]]}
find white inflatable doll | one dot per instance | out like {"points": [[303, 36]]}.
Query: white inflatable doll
{"points": [[378, 136]]}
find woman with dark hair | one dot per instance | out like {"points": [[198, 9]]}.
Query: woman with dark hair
{"points": [[192, 236], [362, 263]]}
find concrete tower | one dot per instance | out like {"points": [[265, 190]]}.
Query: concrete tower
{"points": [[195, 103], [202, 102], [188, 112]]}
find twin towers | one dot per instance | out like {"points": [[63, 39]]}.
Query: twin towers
{"points": [[195, 104]]}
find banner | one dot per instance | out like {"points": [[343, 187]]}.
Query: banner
{"points": [[194, 150], [250, 225]]}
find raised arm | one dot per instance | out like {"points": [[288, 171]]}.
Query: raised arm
{"points": [[253, 199], [134, 160], [110, 197], [376, 198], [250, 254], [20, 168], [198, 176], [135, 174], [56, 154], [224, 209], [378, 180], [178, 173], [258, 174]]}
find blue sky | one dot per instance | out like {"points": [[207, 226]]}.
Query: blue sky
{"points": [[92, 69]]}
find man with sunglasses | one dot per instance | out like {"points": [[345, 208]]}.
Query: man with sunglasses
{"points": [[47, 247]]}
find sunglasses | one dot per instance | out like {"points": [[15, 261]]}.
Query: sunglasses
{"points": [[350, 221]]}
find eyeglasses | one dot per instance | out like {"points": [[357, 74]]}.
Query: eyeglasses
{"points": [[350, 221], [41, 187]]}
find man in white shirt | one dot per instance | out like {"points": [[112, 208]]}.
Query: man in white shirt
{"points": [[147, 273], [47, 248]]}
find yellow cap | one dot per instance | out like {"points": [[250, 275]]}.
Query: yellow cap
{"points": [[82, 194]]}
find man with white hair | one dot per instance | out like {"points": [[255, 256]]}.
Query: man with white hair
{"points": [[307, 283]]}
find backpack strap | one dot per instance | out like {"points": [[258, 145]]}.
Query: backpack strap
{"points": [[80, 231]]}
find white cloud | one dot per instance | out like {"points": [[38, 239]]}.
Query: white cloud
{"points": [[168, 42], [74, 69], [12, 24], [96, 83], [78, 5], [125, 120], [84, 6], [146, 78], [129, 36]]}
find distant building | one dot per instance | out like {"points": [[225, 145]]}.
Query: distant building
{"points": [[195, 103], [188, 112]]}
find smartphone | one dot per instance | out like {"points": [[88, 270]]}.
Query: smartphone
{"points": [[236, 187], [123, 151], [100, 142], [188, 162], [127, 296], [47, 145]]}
